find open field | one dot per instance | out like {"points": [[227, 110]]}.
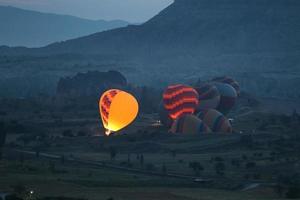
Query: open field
{"points": [[144, 161], [99, 184]]}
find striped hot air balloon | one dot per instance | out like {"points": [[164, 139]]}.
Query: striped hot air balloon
{"points": [[228, 97], [180, 100], [209, 96], [215, 120], [118, 109], [230, 81], [189, 124]]}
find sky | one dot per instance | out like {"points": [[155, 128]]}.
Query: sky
{"points": [[134, 11]]}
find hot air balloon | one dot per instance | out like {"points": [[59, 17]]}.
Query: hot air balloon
{"points": [[215, 120], [230, 81], [189, 124], [209, 96], [180, 100], [228, 97], [118, 109]]}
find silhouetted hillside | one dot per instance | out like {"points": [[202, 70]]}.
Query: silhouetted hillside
{"points": [[201, 27], [257, 41], [30, 28]]}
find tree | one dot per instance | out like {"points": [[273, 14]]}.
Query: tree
{"points": [[51, 166], [19, 189], [21, 158], [142, 160], [250, 165], [113, 153], [62, 159], [219, 159], [81, 133], [235, 162], [67, 133], [173, 153], [246, 140], [150, 167], [244, 157], [37, 150], [293, 192], [197, 167], [2, 137], [26, 139], [220, 168], [164, 169], [128, 158], [279, 189]]}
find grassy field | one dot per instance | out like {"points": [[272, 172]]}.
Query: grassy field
{"points": [[98, 184], [264, 146]]}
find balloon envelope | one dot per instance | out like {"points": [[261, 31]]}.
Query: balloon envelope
{"points": [[215, 120], [228, 80], [209, 96], [118, 109], [180, 100], [189, 124], [228, 97]]}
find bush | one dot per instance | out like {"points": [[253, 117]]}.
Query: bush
{"points": [[220, 168], [67, 133], [219, 159], [293, 192], [150, 167], [81, 134], [250, 165]]}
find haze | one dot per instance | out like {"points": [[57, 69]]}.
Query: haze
{"points": [[129, 10]]}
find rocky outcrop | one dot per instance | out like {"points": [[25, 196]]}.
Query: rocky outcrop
{"points": [[90, 84]]}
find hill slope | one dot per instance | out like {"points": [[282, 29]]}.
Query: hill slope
{"points": [[217, 26], [257, 42], [30, 28]]}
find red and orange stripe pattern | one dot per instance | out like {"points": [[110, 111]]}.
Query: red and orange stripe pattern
{"points": [[180, 100], [105, 104]]}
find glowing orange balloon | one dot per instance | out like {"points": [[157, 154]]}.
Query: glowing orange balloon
{"points": [[118, 109]]}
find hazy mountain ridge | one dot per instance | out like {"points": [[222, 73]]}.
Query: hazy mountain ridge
{"points": [[235, 26], [31, 28], [257, 41]]}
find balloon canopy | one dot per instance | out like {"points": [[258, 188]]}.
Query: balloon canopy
{"points": [[180, 100], [118, 109], [215, 120], [230, 81], [228, 97], [189, 124], [209, 96]]}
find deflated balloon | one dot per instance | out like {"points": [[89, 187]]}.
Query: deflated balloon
{"points": [[118, 109], [230, 81], [180, 100], [189, 124], [215, 120], [209, 96], [228, 97]]}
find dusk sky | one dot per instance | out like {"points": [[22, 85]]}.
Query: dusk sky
{"points": [[130, 10]]}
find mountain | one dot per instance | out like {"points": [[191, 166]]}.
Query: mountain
{"points": [[214, 26], [34, 29], [257, 42]]}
